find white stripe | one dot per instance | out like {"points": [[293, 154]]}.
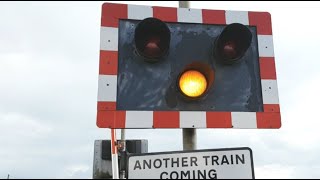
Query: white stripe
{"points": [[139, 12], [139, 119], [244, 120], [193, 119], [115, 167], [265, 43], [189, 15], [269, 91], [107, 88], [237, 17], [109, 39]]}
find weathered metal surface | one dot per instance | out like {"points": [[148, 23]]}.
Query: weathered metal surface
{"points": [[153, 86]]}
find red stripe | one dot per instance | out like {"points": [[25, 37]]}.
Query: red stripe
{"points": [[107, 106], [219, 120], [111, 13], [166, 119], [111, 119], [271, 108], [263, 22], [213, 16], [268, 120], [108, 63], [267, 68], [165, 13]]}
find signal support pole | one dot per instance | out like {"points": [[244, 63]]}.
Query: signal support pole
{"points": [[122, 150], [189, 135], [184, 4]]}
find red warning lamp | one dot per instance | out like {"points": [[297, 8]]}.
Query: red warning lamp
{"points": [[229, 50], [152, 38], [232, 43], [152, 47]]}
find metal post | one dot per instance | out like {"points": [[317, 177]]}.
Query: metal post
{"points": [[189, 139], [189, 135], [184, 4], [122, 149]]}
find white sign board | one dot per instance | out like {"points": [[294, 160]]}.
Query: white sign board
{"points": [[235, 163]]}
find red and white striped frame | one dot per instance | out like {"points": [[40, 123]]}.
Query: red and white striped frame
{"points": [[109, 117]]}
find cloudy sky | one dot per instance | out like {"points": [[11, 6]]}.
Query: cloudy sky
{"points": [[48, 92]]}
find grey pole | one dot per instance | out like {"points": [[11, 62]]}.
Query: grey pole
{"points": [[189, 139], [123, 148], [184, 4], [123, 140], [123, 135], [189, 135]]}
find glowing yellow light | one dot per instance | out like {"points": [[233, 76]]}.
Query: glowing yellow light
{"points": [[192, 83]]}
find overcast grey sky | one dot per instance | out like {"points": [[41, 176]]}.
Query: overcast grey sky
{"points": [[49, 53]]}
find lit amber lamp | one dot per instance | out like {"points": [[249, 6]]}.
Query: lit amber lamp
{"points": [[192, 83]]}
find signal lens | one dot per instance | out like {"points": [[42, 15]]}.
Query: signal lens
{"points": [[232, 43], [229, 50], [152, 38], [192, 83], [152, 47]]}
